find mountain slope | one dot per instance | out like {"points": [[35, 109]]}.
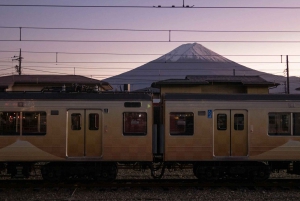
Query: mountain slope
{"points": [[190, 59]]}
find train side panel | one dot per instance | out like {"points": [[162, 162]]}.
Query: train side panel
{"points": [[182, 144], [232, 130], [72, 130], [127, 133], [33, 144]]}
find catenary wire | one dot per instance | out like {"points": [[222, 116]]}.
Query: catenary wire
{"points": [[152, 7], [155, 30], [150, 41]]}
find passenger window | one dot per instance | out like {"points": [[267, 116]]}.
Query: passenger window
{"points": [[75, 121], [222, 121], [134, 123], [181, 123], [279, 124], [238, 122], [296, 123], [34, 123], [94, 121], [9, 123]]}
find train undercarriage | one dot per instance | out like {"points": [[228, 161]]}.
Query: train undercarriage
{"points": [[107, 171]]}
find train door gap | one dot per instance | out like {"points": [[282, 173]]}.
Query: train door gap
{"points": [[230, 133], [84, 133]]}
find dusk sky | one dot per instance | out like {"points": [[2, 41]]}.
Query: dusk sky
{"points": [[282, 26]]}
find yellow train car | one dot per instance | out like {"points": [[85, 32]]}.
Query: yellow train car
{"points": [[74, 132], [91, 135], [234, 134]]}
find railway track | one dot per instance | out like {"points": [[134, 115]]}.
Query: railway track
{"points": [[152, 183]]}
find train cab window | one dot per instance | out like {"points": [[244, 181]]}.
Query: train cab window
{"points": [[34, 123], [222, 121], [75, 121], [279, 123], [134, 123], [238, 122], [181, 123], [93, 121], [9, 123]]}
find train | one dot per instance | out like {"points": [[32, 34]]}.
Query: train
{"points": [[93, 135]]}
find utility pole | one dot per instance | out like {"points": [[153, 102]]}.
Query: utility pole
{"points": [[287, 75], [18, 58]]}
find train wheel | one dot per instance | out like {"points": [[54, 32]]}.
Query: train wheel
{"points": [[261, 173], [106, 172], [210, 174], [207, 173], [51, 173]]}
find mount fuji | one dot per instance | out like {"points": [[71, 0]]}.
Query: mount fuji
{"points": [[191, 59]]}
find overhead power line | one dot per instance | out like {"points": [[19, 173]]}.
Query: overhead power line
{"points": [[150, 41], [154, 30], [153, 7], [143, 62], [153, 41], [142, 54]]}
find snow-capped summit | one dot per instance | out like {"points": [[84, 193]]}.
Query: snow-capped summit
{"points": [[190, 59], [194, 51]]}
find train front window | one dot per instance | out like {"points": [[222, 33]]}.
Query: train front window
{"points": [[34, 123], [134, 123], [9, 123], [181, 123], [279, 123]]}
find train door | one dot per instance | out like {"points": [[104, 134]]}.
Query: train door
{"points": [[84, 133], [230, 133]]}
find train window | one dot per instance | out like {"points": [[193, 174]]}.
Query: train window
{"points": [[9, 123], [238, 122], [222, 121], [181, 123], [93, 121], [279, 123], [75, 121], [34, 123], [296, 124], [134, 123]]}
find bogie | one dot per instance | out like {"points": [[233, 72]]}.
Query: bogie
{"points": [[212, 171]]}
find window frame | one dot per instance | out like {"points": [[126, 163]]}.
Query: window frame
{"points": [[95, 122], [74, 119], [279, 124], [236, 120], [295, 125], [38, 125], [126, 126], [13, 122], [187, 130], [26, 120], [219, 127]]}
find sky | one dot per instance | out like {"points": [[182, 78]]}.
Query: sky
{"points": [[127, 37]]}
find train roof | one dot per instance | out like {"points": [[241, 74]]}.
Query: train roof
{"points": [[230, 97], [75, 96], [211, 79]]}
